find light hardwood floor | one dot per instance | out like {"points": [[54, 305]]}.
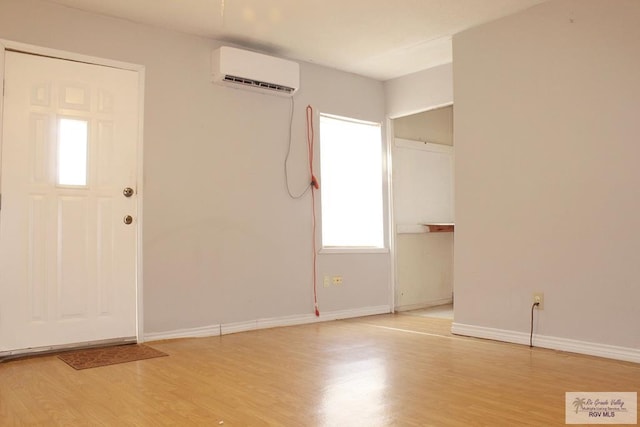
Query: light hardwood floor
{"points": [[374, 371]]}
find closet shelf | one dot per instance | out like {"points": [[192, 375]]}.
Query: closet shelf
{"points": [[440, 227]]}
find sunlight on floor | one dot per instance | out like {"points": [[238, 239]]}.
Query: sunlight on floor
{"points": [[440, 311]]}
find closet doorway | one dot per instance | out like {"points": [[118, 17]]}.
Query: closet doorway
{"points": [[423, 160]]}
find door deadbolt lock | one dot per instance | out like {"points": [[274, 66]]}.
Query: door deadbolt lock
{"points": [[128, 192], [128, 219]]}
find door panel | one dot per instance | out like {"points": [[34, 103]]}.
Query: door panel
{"points": [[67, 259]]}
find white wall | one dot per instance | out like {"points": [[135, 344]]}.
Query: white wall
{"points": [[419, 91], [435, 126], [425, 270], [222, 241], [546, 134]]}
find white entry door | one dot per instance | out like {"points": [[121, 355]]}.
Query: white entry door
{"points": [[67, 228]]}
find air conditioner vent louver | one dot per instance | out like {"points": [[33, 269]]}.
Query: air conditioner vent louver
{"points": [[259, 84], [243, 69]]}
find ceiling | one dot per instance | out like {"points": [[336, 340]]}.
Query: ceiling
{"points": [[381, 39]]}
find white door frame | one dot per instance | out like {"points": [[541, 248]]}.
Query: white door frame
{"points": [[140, 69], [391, 222]]}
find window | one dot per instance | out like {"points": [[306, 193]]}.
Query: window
{"points": [[351, 170], [72, 152]]}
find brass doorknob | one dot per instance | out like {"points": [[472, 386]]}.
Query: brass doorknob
{"points": [[128, 219], [128, 192]]}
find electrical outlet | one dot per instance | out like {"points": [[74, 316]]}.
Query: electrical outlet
{"points": [[539, 298], [337, 280], [327, 281]]}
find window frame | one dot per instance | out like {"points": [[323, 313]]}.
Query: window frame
{"points": [[385, 192], [58, 147]]}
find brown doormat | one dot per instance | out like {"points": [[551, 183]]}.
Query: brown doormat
{"points": [[95, 357]]}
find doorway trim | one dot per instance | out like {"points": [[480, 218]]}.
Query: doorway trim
{"points": [[8, 45]]}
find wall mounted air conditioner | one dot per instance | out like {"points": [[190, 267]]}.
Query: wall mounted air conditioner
{"points": [[255, 71]]}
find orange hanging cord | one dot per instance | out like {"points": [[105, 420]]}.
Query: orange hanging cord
{"points": [[314, 186]]}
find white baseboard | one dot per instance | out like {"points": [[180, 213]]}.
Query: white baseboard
{"points": [[427, 304], [554, 343], [273, 322], [203, 331]]}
